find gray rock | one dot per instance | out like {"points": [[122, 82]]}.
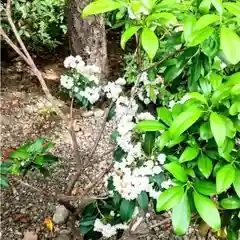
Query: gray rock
{"points": [[63, 237], [98, 113], [87, 114], [61, 214]]}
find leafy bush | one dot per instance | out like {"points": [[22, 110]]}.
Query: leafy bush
{"points": [[40, 22], [30, 156], [185, 155]]}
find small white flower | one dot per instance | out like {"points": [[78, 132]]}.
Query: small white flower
{"points": [[148, 215], [157, 169], [120, 81], [146, 101], [171, 104], [112, 213], [161, 158], [167, 184]]}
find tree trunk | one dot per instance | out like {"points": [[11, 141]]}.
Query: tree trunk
{"points": [[87, 37]]}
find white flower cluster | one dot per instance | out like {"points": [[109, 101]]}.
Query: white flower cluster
{"points": [[92, 94], [89, 71], [67, 81], [108, 230], [144, 116], [182, 101], [144, 91], [113, 89]]}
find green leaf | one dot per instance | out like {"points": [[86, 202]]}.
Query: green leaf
{"points": [[222, 92], [163, 140], [215, 80], [232, 234], [234, 109], [205, 131], [143, 200], [149, 42], [206, 20], [177, 110], [87, 221], [118, 154], [195, 70], [205, 187], [3, 181], [100, 6], [230, 203], [199, 97], [218, 5], [218, 128], [234, 8], [236, 182], [199, 36], [181, 216], [150, 125], [168, 16], [189, 24], [204, 6], [207, 210], [205, 165], [175, 141], [184, 121], [233, 79], [205, 86], [229, 39], [177, 171], [148, 143], [169, 198], [230, 129], [127, 209], [165, 115], [225, 177], [128, 34], [172, 72], [236, 89], [20, 153], [85, 229], [189, 154]]}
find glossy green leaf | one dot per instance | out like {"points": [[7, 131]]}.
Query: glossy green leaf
{"points": [[199, 36], [3, 181], [218, 5], [233, 79], [232, 7], [195, 70], [150, 125], [128, 34], [225, 177], [206, 20], [199, 97], [204, 6], [230, 129], [163, 140], [205, 187], [229, 39], [215, 80], [148, 144], [127, 209], [172, 72], [230, 203], [232, 234], [205, 165], [169, 198], [177, 171], [168, 16], [181, 216], [218, 128], [207, 210], [175, 141], [222, 92], [205, 131], [189, 154], [189, 24], [100, 6], [149, 42], [184, 121], [143, 200], [234, 109], [205, 86], [236, 89], [165, 115], [236, 182], [118, 154]]}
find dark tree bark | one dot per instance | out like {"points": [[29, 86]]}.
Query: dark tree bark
{"points": [[87, 37]]}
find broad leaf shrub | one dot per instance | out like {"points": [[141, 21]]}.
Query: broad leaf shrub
{"points": [[31, 156], [41, 23], [183, 156]]}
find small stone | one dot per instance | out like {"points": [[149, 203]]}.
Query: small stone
{"points": [[98, 113], [76, 126], [30, 236], [87, 114], [63, 237], [5, 120], [61, 214]]}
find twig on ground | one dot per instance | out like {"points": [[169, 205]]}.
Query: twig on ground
{"points": [[89, 157]]}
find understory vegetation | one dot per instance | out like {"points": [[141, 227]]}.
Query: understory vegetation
{"points": [[177, 109]]}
